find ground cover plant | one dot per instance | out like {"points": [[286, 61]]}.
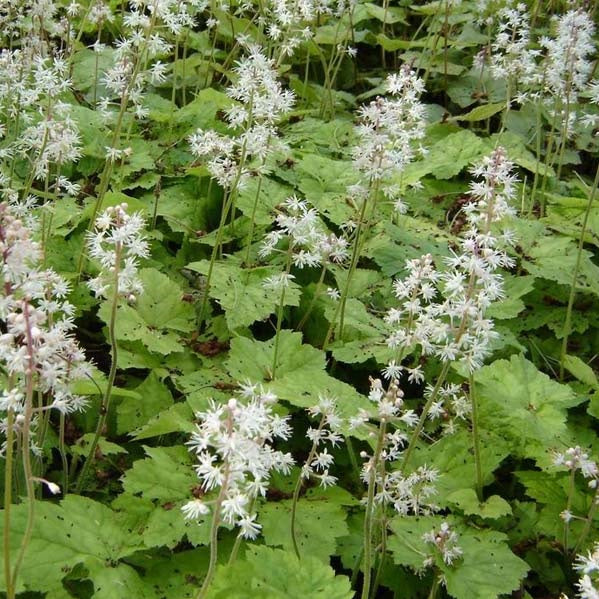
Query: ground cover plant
{"points": [[300, 299]]}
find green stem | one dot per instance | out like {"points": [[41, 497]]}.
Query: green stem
{"points": [[201, 594], [571, 482], [314, 299], [588, 522], [213, 548], [250, 235], [105, 405], [26, 452], [280, 312], [298, 487], [476, 440], [416, 434], [369, 509], [569, 309], [228, 205], [107, 170], [357, 247], [63, 454], [381, 561], [538, 156], [296, 492], [434, 587], [10, 592]]}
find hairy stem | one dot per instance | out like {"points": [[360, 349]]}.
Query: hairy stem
{"points": [[105, 405], [476, 440], [369, 511], [10, 592], [569, 309], [26, 450]]}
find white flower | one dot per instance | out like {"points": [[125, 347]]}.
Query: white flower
{"points": [[195, 509], [249, 528], [53, 488], [327, 480]]}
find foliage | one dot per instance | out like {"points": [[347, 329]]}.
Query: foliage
{"points": [[290, 167]]}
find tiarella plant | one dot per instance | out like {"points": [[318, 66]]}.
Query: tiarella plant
{"points": [[233, 445], [116, 244], [40, 360]]}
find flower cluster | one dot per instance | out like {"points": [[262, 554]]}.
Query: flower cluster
{"points": [[37, 348], [117, 243], [131, 72], [233, 443], [309, 243], [445, 542], [511, 56], [588, 566], [389, 130], [289, 23], [450, 404], [408, 493], [444, 312], [319, 460], [574, 459], [567, 67], [35, 125], [260, 104]]}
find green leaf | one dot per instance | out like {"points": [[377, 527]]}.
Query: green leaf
{"points": [[166, 526], [158, 317], [523, 405], [81, 447], [98, 387], [274, 574], [324, 183], [202, 111], [447, 157], [242, 294], [85, 73], [392, 245], [481, 113], [78, 531], [319, 523], [154, 397], [494, 507], [166, 475], [270, 193], [300, 376], [177, 418], [118, 581], [515, 288], [518, 152], [550, 492], [581, 370], [176, 576], [392, 14], [452, 457], [161, 310], [486, 570]]}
